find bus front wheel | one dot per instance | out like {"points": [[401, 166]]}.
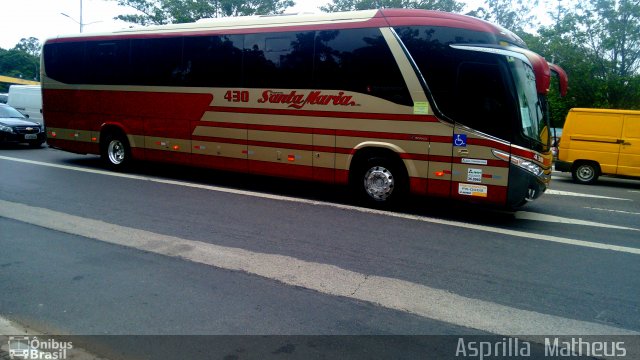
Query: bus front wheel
{"points": [[380, 181], [116, 152]]}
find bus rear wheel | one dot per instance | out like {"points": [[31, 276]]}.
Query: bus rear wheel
{"points": [[116, 153], [380, 181]]}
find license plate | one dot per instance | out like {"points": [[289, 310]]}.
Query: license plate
{"points": [[30, 136]]}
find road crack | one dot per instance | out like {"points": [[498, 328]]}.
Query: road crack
{"points": [[366, 277]]}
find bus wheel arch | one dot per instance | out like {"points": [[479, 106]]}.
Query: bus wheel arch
{"points": [[585, 172], [115, 150], [378, 176]]}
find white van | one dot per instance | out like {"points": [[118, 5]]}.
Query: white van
{"points": [[28, 100]]}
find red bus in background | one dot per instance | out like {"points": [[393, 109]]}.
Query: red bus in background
{"points": [[392, 102]]}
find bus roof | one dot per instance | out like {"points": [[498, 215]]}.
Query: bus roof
{"points": [[301, 22]]}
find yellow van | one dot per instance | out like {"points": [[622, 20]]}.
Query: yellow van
{"points": [[600, 142]]}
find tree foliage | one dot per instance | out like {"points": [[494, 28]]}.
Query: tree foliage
{"points": [[160, 12], [21, 62], [598, 44], [30, 46], [349, 5], [515, 15]]}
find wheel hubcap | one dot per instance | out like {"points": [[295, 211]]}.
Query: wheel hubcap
{"points": [[585, 173], [116, 152], [379, 183]]}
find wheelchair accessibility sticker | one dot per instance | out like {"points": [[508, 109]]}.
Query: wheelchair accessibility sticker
{"points": [[459, 140]]}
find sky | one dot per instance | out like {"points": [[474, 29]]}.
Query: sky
{"points": [[43, 19]]}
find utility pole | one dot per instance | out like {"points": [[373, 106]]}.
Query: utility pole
{"points": [[81, 24]]}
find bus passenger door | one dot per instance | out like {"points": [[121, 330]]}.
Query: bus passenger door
{"points": [[439, 166], [484, 117], [476, 172]]}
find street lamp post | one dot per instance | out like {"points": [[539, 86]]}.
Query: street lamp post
{"points": [[81, 25], [80, 22]]}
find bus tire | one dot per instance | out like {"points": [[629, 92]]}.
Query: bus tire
{"points": [[585, 172], [115, 151], [380, 181]]}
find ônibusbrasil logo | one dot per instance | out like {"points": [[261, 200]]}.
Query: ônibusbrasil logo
{"points": [[32, 348]]}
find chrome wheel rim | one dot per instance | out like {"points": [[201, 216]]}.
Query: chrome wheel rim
{"points": [[379, 183], [586, 173], [116, 152]]}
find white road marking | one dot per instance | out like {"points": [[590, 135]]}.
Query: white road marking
{"points": [[524, 215], [615, 211], [387, 292], [568, 193], [491, 229]]}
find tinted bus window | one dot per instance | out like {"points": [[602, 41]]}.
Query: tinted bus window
{"points": [[214, 61], [110, 61], [64, 62], [358, 60], [486, 103], [471, 88], [278, 60], [156, 62]]}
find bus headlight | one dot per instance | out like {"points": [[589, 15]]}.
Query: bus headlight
{"points": [[527, 165], [522, 163]]}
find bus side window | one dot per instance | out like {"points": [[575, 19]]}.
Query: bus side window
{"points": [[213, 61], [112, 60], [358, 60], [278, 60], [156, 61], [65, 62]]}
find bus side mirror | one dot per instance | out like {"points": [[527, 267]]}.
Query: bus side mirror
{"points": [[563, 80]]}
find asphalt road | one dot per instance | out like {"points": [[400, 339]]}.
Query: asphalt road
{"points": [[167, 250]]}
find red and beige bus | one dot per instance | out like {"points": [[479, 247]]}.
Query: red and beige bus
{"points": [[392, 101]]}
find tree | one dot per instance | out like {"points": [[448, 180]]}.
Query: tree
{"points": [[160, 12], [30, 46], [610, 31], [349, 5], [598, 45], [514, 15], [19, 64]]}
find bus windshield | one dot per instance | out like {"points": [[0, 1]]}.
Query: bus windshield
{"points": [[534, 119]]}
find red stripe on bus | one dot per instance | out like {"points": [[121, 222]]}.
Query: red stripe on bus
{"points": [[418, 186], [438, 187], [440, 158], [522, 152], [441, 139], [408, 156]]}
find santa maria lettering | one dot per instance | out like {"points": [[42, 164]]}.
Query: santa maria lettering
{"points": [[297, 101]]}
